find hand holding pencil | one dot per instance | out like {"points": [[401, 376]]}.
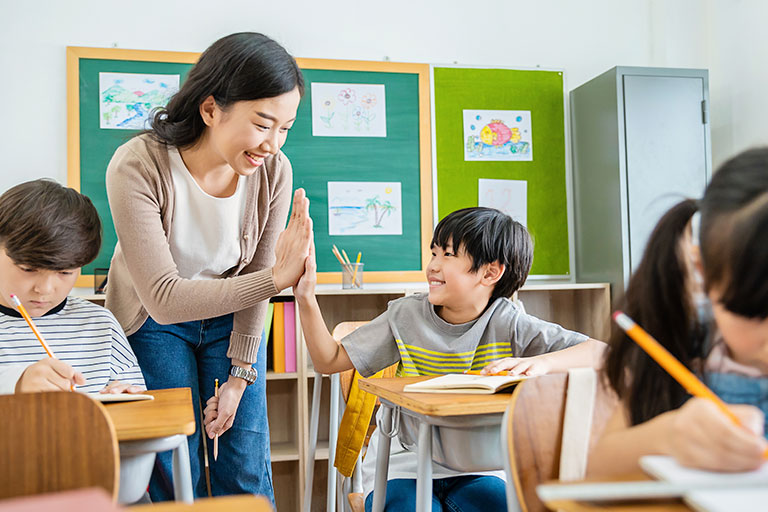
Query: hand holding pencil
{"points": [[705, 432], [48, 374]]}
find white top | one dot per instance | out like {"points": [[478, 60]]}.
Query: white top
{"points": [[80, 333], [205, 237]]}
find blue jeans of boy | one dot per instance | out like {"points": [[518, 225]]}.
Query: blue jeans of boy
{"points": [[193, 354], [454, 494]]}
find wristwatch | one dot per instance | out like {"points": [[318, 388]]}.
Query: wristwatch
{"points": [[248, 375]]}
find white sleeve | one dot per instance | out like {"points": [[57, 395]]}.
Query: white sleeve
{"points": [[9, 376]]}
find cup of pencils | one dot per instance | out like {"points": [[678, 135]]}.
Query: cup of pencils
{"points": [[351, 273]]}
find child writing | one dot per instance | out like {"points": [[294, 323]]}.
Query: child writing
{"points": [[47, 232], [480, 257], [729, 354]]}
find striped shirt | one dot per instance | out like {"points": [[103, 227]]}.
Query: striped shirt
{"points": [[411, 332], [80, 333]]}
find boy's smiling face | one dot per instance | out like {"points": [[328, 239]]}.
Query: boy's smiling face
{"points": [[460, 294], [38, 290]]}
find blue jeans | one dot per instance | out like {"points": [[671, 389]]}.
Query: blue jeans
{"points": [[455, 494], [193, 354]]}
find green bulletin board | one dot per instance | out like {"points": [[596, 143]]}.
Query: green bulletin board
{"points": [[540, 92], [402, 156]]}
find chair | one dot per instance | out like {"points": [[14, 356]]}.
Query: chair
{"points": [[56, 441], [341, 385], [339, 332], [549, 427]]}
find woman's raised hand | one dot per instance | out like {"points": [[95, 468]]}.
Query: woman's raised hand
{"points": [[292, 246]]}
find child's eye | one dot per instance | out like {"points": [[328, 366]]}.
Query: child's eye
{"points": [[66, 272], [27, 269]]}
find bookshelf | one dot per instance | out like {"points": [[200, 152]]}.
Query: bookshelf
{"points": [[583, 307]]}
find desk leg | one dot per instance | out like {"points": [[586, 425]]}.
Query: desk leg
{"points": [[382, 461], [182, 473], [424, 469]]}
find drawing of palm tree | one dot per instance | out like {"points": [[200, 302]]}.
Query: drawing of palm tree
{"points": [[379, 209]]}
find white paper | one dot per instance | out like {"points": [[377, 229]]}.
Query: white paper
{"points": [[498, 135], [126, 99], [348, 110], [364, 208], [508, 196]]}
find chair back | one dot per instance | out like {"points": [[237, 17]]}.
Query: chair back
{"points": [[56, 441], [533, 433], [346, 377]]}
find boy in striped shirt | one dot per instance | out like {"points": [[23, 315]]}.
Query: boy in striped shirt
{"points": [[480, 258], [47, 232]]}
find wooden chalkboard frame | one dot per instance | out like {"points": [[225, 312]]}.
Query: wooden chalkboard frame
{"points": [[75, 54]]}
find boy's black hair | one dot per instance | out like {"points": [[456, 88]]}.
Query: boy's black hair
{"points": [[46, 226], [488, 235], [239, 67]]}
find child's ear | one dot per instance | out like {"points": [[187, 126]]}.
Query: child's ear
{"points": [[492, 272], [208, 110]]}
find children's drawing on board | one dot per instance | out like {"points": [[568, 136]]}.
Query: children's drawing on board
{"points": [[126, 99], [498, 135], [348, 110], [364, 208]]}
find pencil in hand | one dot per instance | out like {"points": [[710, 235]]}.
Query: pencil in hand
{"points": [[671, 365], [216, 438], [23, 311]]}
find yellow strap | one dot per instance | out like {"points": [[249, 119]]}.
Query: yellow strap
{"points": [[354, 426]]}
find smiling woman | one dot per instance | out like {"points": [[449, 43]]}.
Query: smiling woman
{"points": [[198, 202]]}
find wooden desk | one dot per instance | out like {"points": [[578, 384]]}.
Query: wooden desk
{"points": [[242, 503], [148, 427], [170, 413], [470, 414]]}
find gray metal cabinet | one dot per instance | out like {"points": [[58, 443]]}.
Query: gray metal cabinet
{"points": [[641, 143]]}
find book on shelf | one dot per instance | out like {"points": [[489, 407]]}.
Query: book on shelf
{"points": [[289, 315], [278, 338], [267, 340], [703, 491], [465, 383]]}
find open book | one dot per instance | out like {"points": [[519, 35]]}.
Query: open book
{"points": [[464, 383], [705, 491], [119, 397]]}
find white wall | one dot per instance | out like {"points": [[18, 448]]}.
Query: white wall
{"points": [[584, 38]]}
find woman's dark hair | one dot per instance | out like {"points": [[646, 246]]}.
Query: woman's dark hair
{"points": [[734, 252], [656, 298], [46, 226], [488, 235], [239, 67]]}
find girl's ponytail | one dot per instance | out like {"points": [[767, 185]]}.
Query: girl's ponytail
{"points": [[658, 298]]}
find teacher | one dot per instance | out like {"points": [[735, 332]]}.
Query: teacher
{"points": [[198, 202]]}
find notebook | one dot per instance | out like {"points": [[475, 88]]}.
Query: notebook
{"points": [[464, 383], [119, 397], [704, 491]]}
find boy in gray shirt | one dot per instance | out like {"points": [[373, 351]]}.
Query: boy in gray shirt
{"points": [[480, 257]]}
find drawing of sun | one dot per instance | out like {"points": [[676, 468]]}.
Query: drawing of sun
{"points": [[388, 190]]}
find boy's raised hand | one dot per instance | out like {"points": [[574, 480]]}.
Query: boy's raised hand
{"points": [[116, 387], [305, 288], [293, 243], [530, 366], [49, 375]]}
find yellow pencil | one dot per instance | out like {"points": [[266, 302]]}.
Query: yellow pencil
{"points": [[23, 311], [216, 438], [671, 365], [357, 264]]}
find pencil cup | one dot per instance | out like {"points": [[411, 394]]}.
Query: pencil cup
{"points": [[352, 276], [100, 280]]}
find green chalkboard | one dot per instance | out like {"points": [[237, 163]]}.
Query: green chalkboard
{"points": [[542, 94], [402, 156]]}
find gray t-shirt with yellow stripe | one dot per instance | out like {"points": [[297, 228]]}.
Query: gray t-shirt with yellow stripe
{"points": [[412, 333]]}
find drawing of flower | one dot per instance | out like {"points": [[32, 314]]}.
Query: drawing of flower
{"points": [[368, 101], [328, 105], [347, 96]]}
